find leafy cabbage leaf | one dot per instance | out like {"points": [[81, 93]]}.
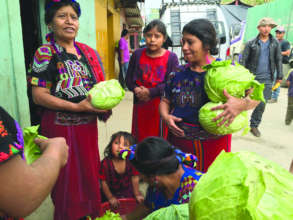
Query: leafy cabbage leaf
{"points": [[206, 116], [243, 185], [31, 150], [236, 79], [106, 94], [172, 212]]}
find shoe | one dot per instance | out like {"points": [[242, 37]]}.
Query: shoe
{"points": [[272, 101], [255, 131]]}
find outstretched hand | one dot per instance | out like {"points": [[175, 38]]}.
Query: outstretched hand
{"points": [[171, 120], [233, 107]]}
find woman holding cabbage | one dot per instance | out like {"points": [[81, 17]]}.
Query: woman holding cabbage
{"points": [[63, 72], [185, 94]]}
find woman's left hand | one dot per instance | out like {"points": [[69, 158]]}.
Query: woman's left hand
{"points": [[233, 107], [139, 199]]}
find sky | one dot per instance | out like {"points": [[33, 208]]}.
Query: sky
{"points": [[152, 4]]}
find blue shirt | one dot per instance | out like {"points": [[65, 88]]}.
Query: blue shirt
{"points": [[185, 91], [263, 70], [155, 199]]}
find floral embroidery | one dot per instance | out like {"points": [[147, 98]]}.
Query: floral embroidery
{"points": [[3, 156], [3, 131]]}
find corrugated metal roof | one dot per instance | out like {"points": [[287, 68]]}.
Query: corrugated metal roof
{"points": [[133, 16]]}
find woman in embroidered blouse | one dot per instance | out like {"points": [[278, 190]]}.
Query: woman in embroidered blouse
{"points": [[62, 73], [21, 182], [184, 95], [169, 172]]}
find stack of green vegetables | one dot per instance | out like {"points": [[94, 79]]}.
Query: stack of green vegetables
{"points": [[236, 80], [106, 94], [31, 150], [108, 216], [244, 186]]}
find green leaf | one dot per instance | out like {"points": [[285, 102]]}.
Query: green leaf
{"points": [[31, 150]]}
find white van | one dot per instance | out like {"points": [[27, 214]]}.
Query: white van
{"points": [[237, 32], [177, 13]]}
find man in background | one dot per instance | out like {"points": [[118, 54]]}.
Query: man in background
{"points": [[262, 56], [285, 51]]}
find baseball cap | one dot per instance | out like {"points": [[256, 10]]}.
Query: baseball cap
{"points": [[267, 21], [280, 29]]}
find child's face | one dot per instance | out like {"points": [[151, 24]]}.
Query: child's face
{"points": [[154, 39], [119, 144]]}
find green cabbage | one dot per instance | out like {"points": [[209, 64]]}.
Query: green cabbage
{"points": [[108, 216], [172, 212], [31, 150], [206, 116], [106, 94], [244, 186], [236, 79]]}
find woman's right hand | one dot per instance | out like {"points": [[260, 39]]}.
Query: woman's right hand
{"points": [[86, 106], [171, 120], [114, 203]]}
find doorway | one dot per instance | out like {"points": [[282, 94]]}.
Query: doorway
{"points": [[31, 32]]}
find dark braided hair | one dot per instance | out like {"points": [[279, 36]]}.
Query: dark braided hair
{"points": [[51, 7], [155, 156], [204, 30]]}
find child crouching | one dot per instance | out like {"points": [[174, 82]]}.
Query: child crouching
{"points": [[119, 178]]}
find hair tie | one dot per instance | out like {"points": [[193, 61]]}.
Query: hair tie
{"points": [[128, 153], [185, 158]]}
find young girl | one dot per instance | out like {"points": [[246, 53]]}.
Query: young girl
{"points": [[119, 177], [145, 77]]}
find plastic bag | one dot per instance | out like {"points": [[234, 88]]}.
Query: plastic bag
{"points": [[236, 79], [206, 116], [172, 212], [31, 150], [244, 186], [106, 94]]}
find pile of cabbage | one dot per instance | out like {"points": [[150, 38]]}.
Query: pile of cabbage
{"points": [[31, 150], [106, 94], [108, 216], [172, 212], [243, 185], [236, 79]]}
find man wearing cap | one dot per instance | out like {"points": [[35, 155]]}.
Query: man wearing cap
{"points": [[285, 51], [262, 56]]}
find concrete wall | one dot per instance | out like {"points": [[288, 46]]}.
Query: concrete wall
{"points": [[12, 67]]}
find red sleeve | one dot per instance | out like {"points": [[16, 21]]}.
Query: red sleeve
{"points": [[134, 172], [103, 170]]}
